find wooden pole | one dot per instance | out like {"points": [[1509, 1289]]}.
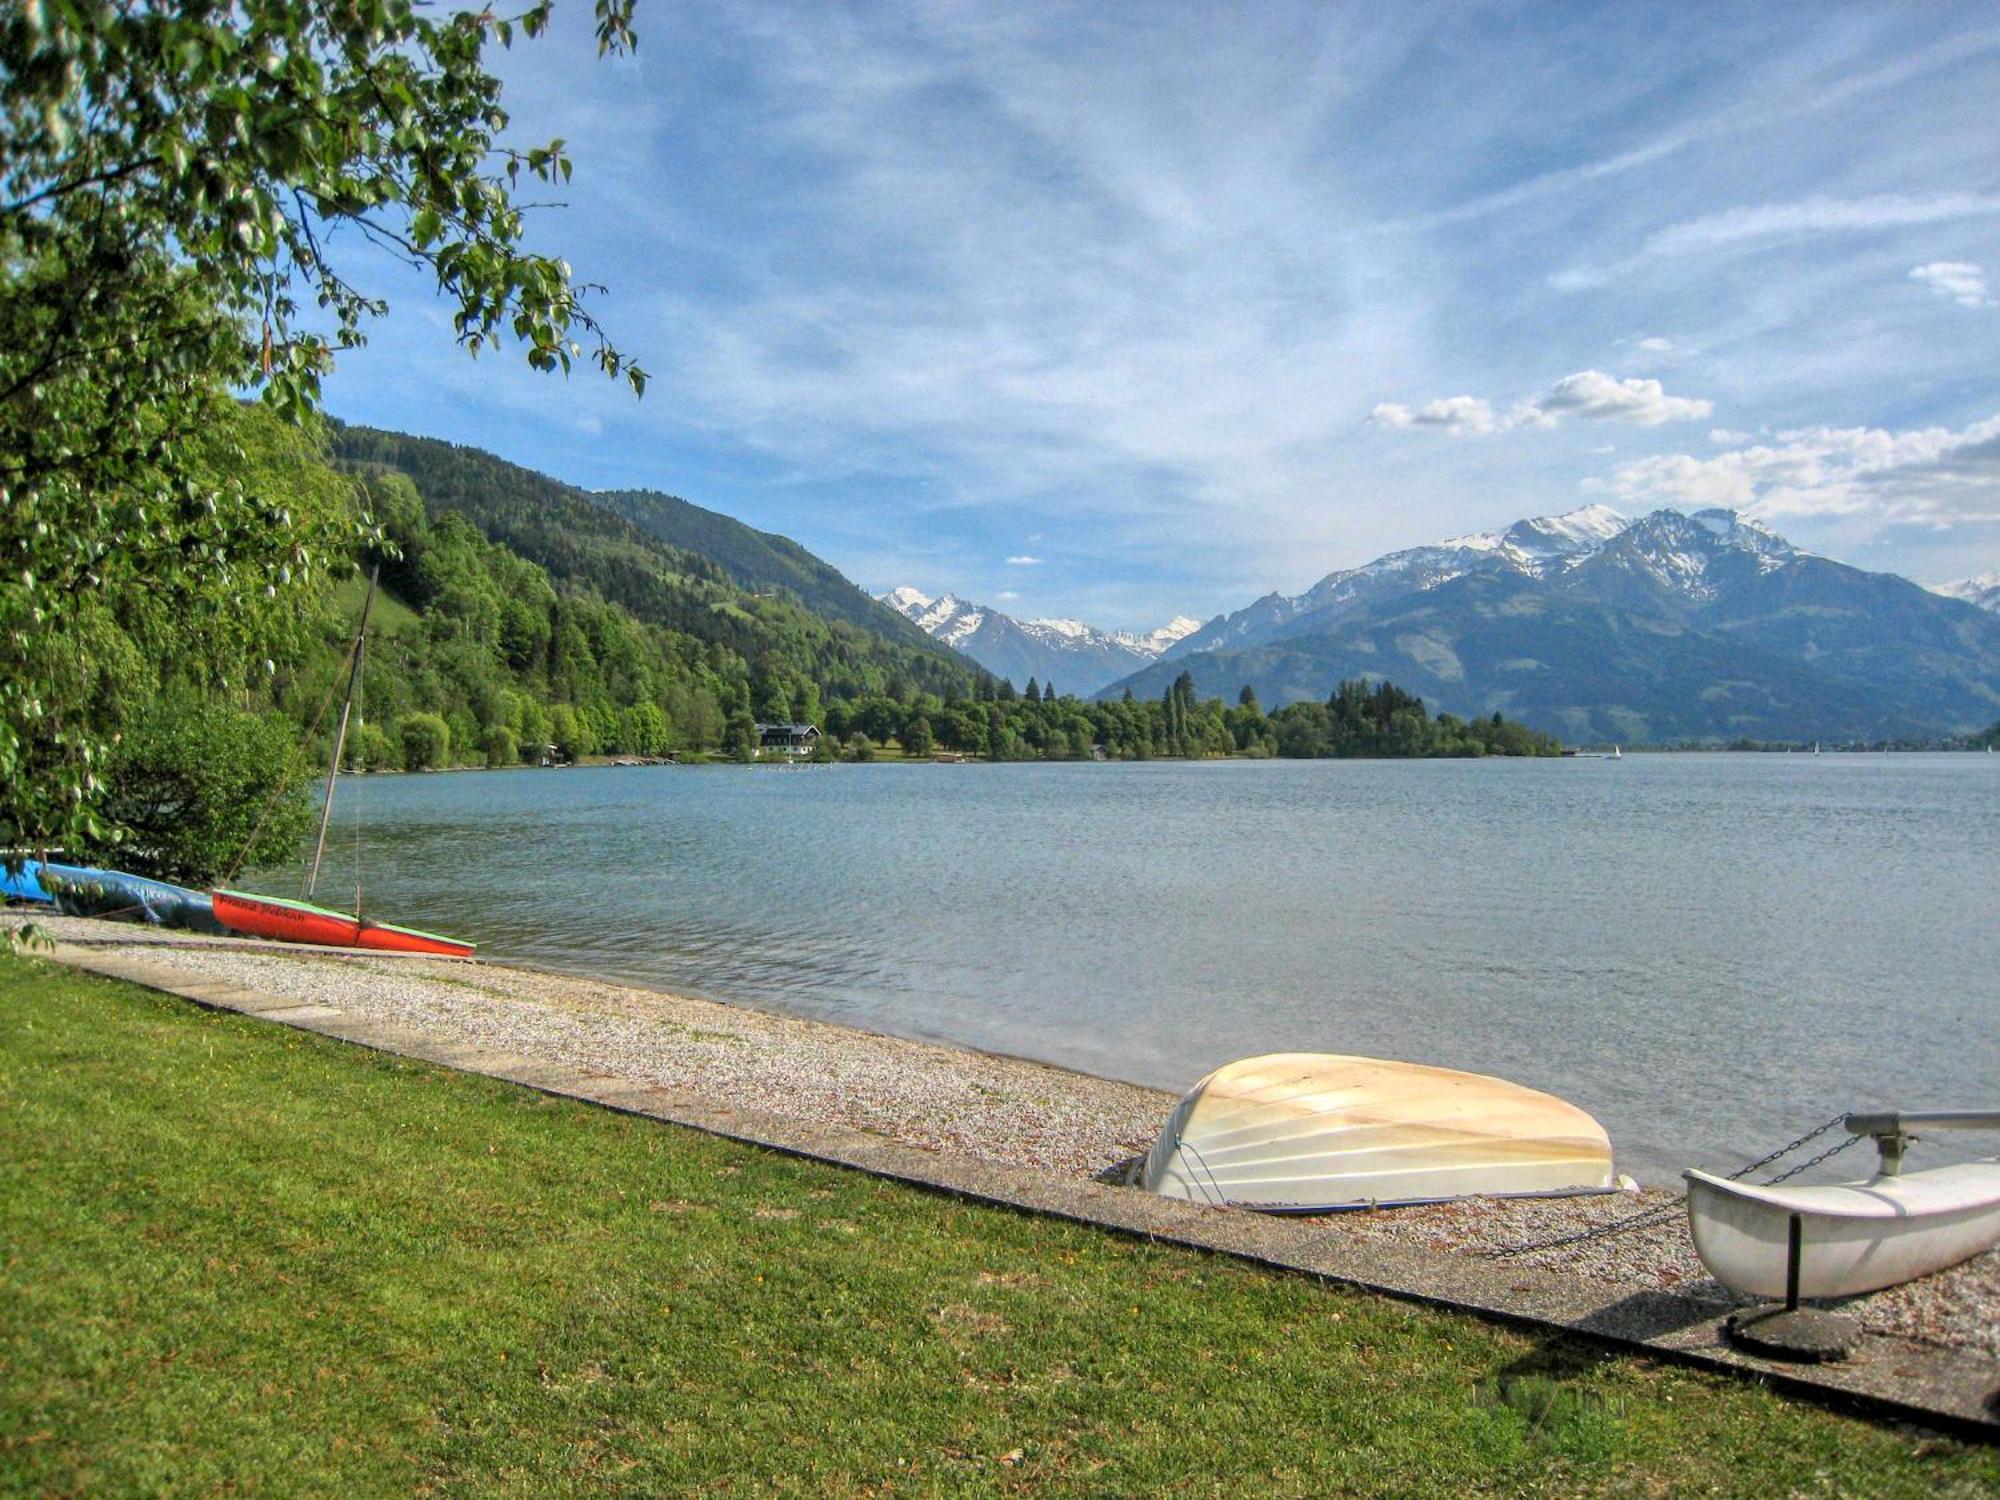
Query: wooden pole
{"points": [[340, 735]]}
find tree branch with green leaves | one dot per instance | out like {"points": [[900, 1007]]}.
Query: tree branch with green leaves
{"points": [[171, 178]]}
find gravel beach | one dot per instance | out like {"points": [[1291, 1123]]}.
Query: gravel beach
{"points": [[1001, 1109]]}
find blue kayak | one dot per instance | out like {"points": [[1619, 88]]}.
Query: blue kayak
{"points": [[80, 891]]}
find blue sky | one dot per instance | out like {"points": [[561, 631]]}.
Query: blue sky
{"points": [[1123, 311]]}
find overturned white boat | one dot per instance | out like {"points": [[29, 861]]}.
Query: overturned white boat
{"points": [[1852, 1237], [1309, 1132]]}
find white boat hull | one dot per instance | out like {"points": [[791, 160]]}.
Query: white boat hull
{"points": [[1306, 1132], [1855, 1236]]}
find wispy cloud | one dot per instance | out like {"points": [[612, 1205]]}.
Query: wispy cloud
{"points": [[918, 281], [1022, 560], [1960, 280], [1764, 224]]}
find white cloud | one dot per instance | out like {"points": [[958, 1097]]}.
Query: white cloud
{"points": [[1594, 394], [1726, 437], [1007, 596], [1656, 345], [1960, 280], [1932, 475], [1588, 393], [1022, 560], [1453, 414]]}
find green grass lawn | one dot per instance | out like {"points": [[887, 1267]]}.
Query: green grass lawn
{"points": [[240, 1258]]}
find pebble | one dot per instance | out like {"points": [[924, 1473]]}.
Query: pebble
{"points": [[999, 1109]]}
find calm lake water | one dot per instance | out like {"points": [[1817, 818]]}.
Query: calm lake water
{"points": [[1709, 952]]}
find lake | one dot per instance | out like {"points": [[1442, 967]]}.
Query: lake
{"points": [[1711, 953]]}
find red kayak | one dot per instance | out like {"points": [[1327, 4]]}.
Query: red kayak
{"points": [[296, 922]]}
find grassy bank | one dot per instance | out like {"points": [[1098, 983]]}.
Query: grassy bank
{"points": [[238, 1257]]}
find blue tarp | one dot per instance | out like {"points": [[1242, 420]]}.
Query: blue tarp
{"points": [[80, 891], [24, 886]]}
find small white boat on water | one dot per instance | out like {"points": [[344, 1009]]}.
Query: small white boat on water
{"points": [[1854, 1237], [1309, 1132]]}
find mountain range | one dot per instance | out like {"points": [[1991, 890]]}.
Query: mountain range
{"points": [[1708, 627], [1590, 625], [1079, 658]]}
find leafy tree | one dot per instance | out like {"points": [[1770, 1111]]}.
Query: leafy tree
{"points": [[203, 787], [425, 739], [645, 729], [466, 735], [171, 178], [569, 732], [369, 749], [740, 737], [534, 731], [917, 738], [501, 746]]}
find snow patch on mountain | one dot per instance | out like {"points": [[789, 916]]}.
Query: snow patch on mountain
{"points": [[1982, 591], [1081, 657], [1673, 550]]}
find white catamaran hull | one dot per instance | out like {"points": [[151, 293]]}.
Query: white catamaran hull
{"points": [[1854, 1236], [1304, 1132]]}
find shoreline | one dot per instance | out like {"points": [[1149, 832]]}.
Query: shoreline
{"points": [[949, 1098]]}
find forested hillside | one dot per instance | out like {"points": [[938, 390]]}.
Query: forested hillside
{"points": [[766, 619], [760, 560]]}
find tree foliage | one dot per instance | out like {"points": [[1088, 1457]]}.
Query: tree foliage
{"points": [[172, 180], [200, 787], [1383, 720]]}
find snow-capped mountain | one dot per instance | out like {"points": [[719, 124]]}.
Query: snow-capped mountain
{"points": [[1707, 626], [1983, 591], [1076, 657], [1533, 548]]}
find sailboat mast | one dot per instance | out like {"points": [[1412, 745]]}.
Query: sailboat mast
{"points": [[340, 735]]}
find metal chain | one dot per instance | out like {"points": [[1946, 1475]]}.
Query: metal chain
{"points": [[1814, 1134], [1658, 1215], [1668, 1211], [1830, 1151]]}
